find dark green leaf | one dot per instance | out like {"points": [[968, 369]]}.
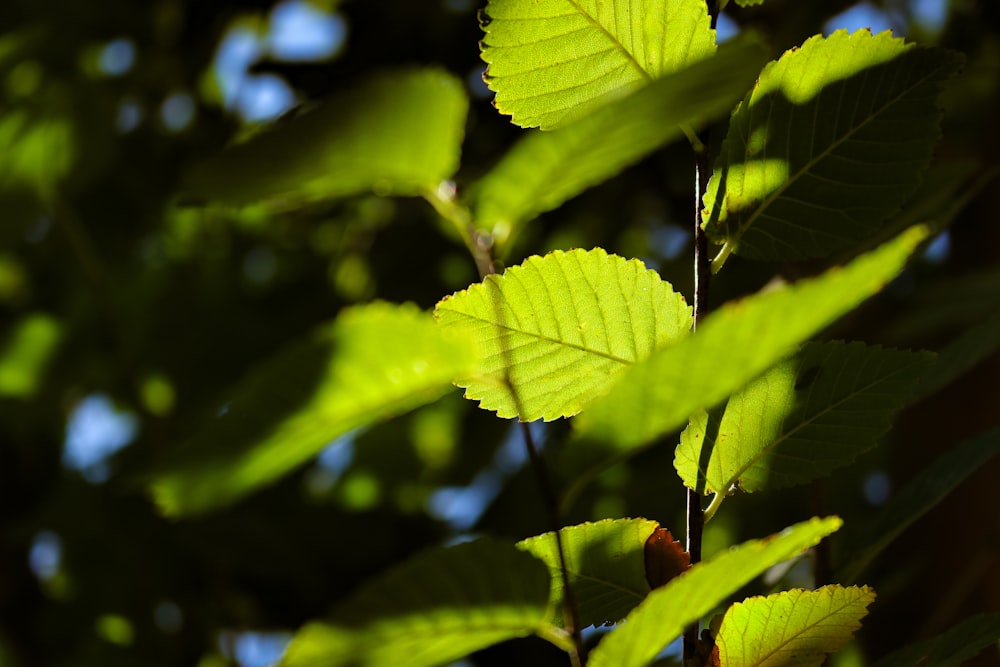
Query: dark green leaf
{"points": [[950, 649], [916, 498], [605, 564], [435, 608], [801, 419], [830, 142]]}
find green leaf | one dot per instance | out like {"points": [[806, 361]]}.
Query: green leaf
{"points": [[665, 613], [549, 60], [27, 353], [950, 649], [734, 345], [398, 133], [791, 628], [556, 330], [749, 3], [801, 419], [975, 345], [546, 168], [606, 566], [832, 140], [916, 498], [372, 362], [435, 608]]}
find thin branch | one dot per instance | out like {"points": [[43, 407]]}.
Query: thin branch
{"points": [[480, 246], [551, 500], [702, 279]]}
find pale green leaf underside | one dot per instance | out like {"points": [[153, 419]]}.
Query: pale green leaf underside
{"points": [[950, 649], [398, 133], [556, 330], [800, 420], [546, 168], [551, 59], [372, 362], [915, 499], [831, 141], [606, 566], [665, 613], [734, 345], [795, 628], [435, 608]]}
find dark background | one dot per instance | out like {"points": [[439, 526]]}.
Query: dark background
{"points": [[161, 310]]}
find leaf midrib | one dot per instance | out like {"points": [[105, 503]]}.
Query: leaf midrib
{"points": [[614, 40], [770, 199], [810, 626], [808, 422], [548, 339]]}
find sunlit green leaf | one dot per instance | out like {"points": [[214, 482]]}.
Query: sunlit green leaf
{"points": [[551, 59], [37, 148], [373, 362], [734, 345], [606, 568], [546, 168], [801, 419], [832, 139], [398, 133], [916, 498], [793, 628], [26, 354], [435, 608], [950, 649], [667, 611], [556, 330]]}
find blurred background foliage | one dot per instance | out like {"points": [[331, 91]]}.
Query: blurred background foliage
{"points": [[127, 319]]}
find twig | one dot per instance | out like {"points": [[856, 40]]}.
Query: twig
{"points": [[702, 278], [579, 656], [480, 246]]}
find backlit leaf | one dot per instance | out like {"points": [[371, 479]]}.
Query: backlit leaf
{"points": [[556, 330], [832, 139], [795, 628], [606, 568], [666, 611], [546, 168], [435, 608], [734, 345], [398, 133], [801, 419], [551, 59], [372, 362]]}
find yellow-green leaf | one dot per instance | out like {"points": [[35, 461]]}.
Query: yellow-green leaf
{"points": [[556, 330], [549, 60], [398, 133], [791, 629]]}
